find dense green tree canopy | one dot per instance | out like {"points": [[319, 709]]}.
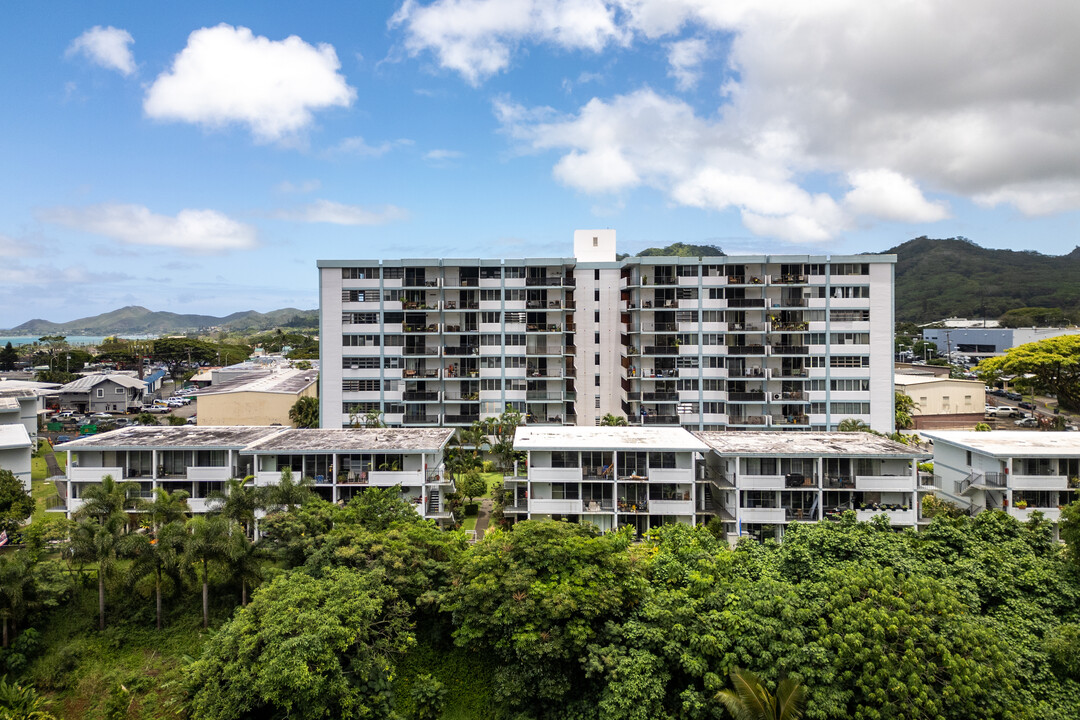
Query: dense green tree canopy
{"points": [[1054, 363], [15, 503]]}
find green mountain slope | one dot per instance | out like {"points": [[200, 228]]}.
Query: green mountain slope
{"points": [[136, 320], [936, 279]]}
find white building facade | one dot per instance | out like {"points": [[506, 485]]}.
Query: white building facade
{"points": [[1016, 471], [748, 342]]}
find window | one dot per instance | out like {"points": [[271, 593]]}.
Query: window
{"points": [[849, 339], [596, 295], [713, 408], [849, 385], [365, 273], [597, 402], [360, 386], [850, 408], [564, 459], [120, 391], [849, 315], [596, 243], [596, 316], [847, 292], [664, 460], [491, 384], [360, 340], [101, 392], [393, 273], [491, 362], [514, 272], [491, 318], [596, 359], [849, 269], [596, 340], [564, 491], [849, 361], [596, 380], [968, 457]]}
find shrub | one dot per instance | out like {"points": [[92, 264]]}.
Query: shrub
{"points": [[471, 509], [489, 466], [430, 697]]}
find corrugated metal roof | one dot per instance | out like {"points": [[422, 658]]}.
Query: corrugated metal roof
{"points": [[355, 440], [606, 438], [1011, 443], [289, 381], [88, 382], [186, 436]]}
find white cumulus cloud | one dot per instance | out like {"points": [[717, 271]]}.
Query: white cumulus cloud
{"points": [[228, 75], [196, 230], [107, 47], [326, 211], [684, 61], [442, 154], [890, 196]]}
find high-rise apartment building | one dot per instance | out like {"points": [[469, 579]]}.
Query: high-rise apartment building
{"points": [[708, 343]]}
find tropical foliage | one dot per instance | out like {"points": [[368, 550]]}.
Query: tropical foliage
{"points": [[1053, 363]]}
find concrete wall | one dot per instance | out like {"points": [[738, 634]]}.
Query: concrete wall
{"points": [[947, 397]]}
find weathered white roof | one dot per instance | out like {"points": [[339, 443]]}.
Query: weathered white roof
{"points": [[9, 404], [1011, 443], [166, 436], [806, 444], [87, 382], [301, 440], [14, 436], [606, 438], [289, 381]]}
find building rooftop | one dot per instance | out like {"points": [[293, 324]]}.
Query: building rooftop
{"points": [[1011, 443], [186, 436], [289, 381], [87, 382], [813, 444], [354, 440], [606, 438], [14, 436], [912, 379], [9, 404]]}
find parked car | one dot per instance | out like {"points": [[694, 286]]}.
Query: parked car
{"points": [[998, 392], [67, 414], [1027, 405], [178, 402], [157, 409], [1028, 422], [1006, 411], [1014, 396], [101, 416], [990, 409], [63, 439], [192, 420]]}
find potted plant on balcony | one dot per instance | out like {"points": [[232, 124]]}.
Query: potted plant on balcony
{"points": [[1021, 504]]}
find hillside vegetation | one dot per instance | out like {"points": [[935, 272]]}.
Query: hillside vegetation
{"points": [[955, 277]]}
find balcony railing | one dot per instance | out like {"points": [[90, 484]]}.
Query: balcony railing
{"points": [[660, 396], [747, 420], [414, 395], [746, 302], [752, 396], [661, 419], [746, 349], [461, 419], [661, 350], [791, 302], [790, 350], [789, 279], [422, 419], [461, 350]]}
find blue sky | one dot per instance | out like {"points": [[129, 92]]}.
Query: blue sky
{"points": [[192, 158]]}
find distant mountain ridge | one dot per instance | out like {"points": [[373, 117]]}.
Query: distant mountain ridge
{"points": [[137, 320], [954, 277]]}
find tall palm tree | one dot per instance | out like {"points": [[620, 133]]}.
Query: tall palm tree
{"points": [[166, 507], [610, 420], [110, 498], [245, 563], [16, 578], [751, 700], [101, 542], [158, 557], [238, 502], [207, 544]]}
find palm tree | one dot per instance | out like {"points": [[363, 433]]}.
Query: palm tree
{"points": [[288, 494], [852, 425], [305, 413], [166, 507], [751, 700], [101, 542], [610, 420], [238, 502], [245, 563], [16, 578], [102, 502], [207, 544], [158, 557]]}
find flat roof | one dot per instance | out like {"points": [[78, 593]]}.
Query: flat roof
{"points": [[1011, 443], [286, 382], [9, 404], [606, 438], [14, 436], [813, 444], [142, 437], [354, 440], [913, 379]]}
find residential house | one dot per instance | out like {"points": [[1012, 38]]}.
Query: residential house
{"points": [[109, 392]]}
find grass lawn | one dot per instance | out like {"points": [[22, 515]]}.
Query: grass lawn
{"points": [[469, 524]]}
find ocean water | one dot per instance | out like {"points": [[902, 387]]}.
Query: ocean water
{"points": [[72, 339]]}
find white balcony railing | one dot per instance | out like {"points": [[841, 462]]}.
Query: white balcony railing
{"points": [[671, 507], [209, 474], [1022, 514], [761, 482], [896, 517], [885, 483], [1039, 482], [671, 475], [559, 507], [550, 474], [389, 478], [763, 515], [94, 474]]}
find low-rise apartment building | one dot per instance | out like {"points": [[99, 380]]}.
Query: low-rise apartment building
{"points": [[199, 460], [1016, 471], [760, 482], [16, 450], [607, 476]]}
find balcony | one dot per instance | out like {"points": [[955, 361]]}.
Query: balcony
{"points": [[661, 350], [896, 517], [433, 328], [417, 396], [746, 302], [671, 475], [790, 302], [752, 396], [790, 420], [632, 506], [661, 420], [660, 397], [745, 349], [598, 506], [94, 474], [790, 350], [747, 420], [885, 483], [1024, 514], [557, 507], [462, 419], [209, 474], [389, 478], [767, 516], [419, 350], [1039, 482], [548, 281], [461, 350], [420, 419], [553, 474], [671, 507], [748, 372], [762, 482], [789, 279], [542, 396]]}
